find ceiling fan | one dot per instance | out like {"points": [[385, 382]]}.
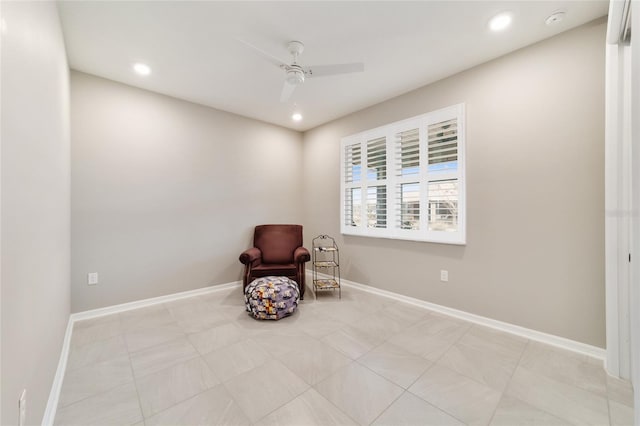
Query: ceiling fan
{"points": [[295, 74]]}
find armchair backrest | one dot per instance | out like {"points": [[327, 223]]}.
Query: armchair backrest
{"points": [[277, 242]]}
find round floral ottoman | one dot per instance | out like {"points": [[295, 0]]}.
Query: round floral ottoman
{"points": [[271, 297]]}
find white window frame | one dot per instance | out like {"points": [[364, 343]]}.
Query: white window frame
{"points": [[392, 181]]}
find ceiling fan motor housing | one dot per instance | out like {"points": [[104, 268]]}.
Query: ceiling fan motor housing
{"points": [[295, 48]]}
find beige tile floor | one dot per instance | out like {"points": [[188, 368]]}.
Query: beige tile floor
{"points": [[364, 360]]}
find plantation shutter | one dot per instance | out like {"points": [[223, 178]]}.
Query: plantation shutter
{"points": [[376, 197], [377, 159], [443, 178], [352, 180], [352, 163], [407, 173], [443, 142]]}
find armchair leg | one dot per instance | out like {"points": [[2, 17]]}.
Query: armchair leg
{"points": [[301, 280], [245, 277]]}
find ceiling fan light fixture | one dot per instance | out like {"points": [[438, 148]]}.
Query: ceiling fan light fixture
{"points": [[295, 76]]}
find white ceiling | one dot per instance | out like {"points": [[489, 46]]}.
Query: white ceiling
{"points": [[194, 53]]}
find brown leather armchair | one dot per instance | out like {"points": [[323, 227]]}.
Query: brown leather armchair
{"points": [[277, 250]]}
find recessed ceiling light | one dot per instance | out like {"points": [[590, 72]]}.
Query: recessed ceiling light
{"points": [[296, 116], [555, 18], [500, 22], [142, 69]]}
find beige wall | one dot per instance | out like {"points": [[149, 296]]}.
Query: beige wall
{"points": [[165, 193], [35, 204], [535, 233]]}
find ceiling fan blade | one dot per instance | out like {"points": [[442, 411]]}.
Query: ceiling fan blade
{"points": [[287, 91], [324, 70], [266, 55]]}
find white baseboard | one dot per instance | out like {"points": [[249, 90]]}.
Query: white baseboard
{"points": [[538, 336], [54, 394], [56, 387], [100, 312]]}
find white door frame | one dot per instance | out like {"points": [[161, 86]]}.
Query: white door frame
{"points": [[635, 216], [622, 197], [618, 201], [620, 168]]}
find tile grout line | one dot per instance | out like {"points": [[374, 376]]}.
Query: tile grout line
{"points": [[404, 390], [91, 365], [502, 393], [235, 401], [434, 363], [529, 343], [97, 394], [103, 392], [182, 400], [431, 363], [327, 399], [135, 383], [580, 388], [198, 356], [438, 408], [277, 408], [388, 406]]}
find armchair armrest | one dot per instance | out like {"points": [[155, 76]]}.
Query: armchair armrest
{"points": [[301, 255], [250, 255]]}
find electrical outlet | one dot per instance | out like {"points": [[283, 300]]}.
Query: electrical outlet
{"points": [[22, 408], [444, 275], [92, 278]]}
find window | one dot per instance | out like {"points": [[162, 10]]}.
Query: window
{"points": [[406, 180]]}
